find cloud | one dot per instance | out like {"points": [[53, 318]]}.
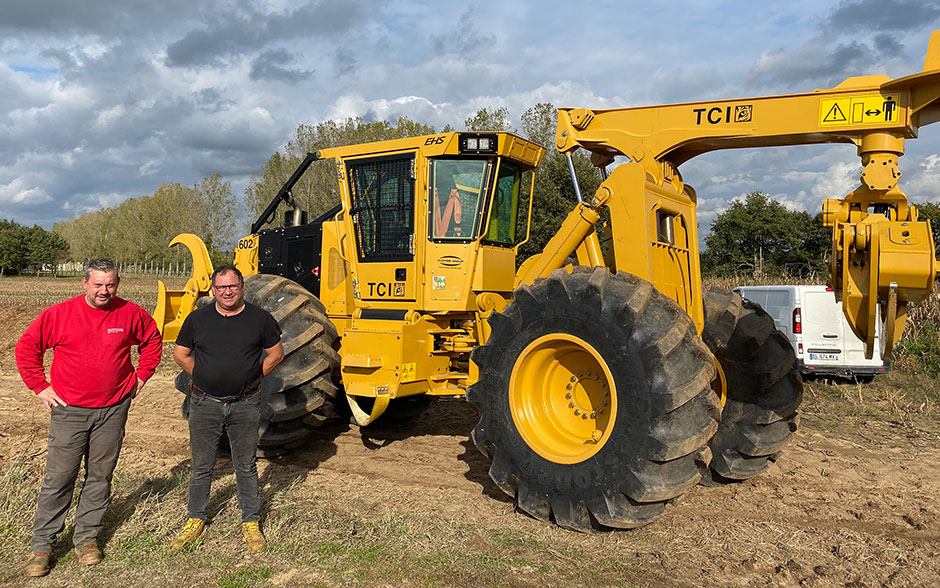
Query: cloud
{"points": [[17, 193], [816, 62], [270, 66], [232, 34], [844, 44], [463, 38], [883, 15]]}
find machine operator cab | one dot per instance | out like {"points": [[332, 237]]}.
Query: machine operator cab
{"points": [[435, 220]]}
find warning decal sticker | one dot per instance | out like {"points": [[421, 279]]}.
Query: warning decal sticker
{"points": [[878, 109]]}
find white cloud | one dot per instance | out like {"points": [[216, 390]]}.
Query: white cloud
{"points": [[17, 193]]}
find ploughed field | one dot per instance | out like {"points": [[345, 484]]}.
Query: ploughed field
{"points": [[853, 501]]}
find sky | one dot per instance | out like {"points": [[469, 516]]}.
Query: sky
{"points": [[101, 101]]}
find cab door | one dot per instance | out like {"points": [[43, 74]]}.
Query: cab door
{"points": [[382, 213]]}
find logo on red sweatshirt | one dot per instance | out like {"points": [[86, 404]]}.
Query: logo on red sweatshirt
{"points": [[113, 330]]}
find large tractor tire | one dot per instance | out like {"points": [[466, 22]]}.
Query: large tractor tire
{"points": [[299, 394], [595, 400], [764, 388]]}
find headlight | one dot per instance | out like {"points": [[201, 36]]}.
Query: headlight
{"points": [[478, 143]]}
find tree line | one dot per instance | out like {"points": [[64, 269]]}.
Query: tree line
{"points": [[21, 247], [755, 236], [139, 229]]}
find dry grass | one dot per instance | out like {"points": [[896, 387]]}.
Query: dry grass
{"points": [[22, 291], [314, 540]]}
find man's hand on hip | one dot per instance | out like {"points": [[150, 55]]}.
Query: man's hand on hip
{"points": [[50, 398]]}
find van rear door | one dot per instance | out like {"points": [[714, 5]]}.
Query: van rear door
{"points": [[823, 329]]}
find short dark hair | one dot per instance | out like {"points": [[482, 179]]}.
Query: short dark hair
{"points": [[100, 265], [224, 269]]}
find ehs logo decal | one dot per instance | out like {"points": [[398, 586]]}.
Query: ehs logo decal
{"points": [[438, 282]]}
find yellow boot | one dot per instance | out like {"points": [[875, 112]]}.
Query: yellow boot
{"points": [[252, 536], [190, 532]]}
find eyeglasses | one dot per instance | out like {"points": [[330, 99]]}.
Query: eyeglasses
{"points": [[224, 287]]}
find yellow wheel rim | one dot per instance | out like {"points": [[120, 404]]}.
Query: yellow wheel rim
{"points": [[563, 398]]}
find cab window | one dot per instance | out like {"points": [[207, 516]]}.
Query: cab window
{"points": [[458, 187], [382, 195], [502, 224]]}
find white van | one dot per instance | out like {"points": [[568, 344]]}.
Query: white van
{"points": [[813, 321]]}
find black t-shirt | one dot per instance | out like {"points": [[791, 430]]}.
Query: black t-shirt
{"points": [[228, 350]]}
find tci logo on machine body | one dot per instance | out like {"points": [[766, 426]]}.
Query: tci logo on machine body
{"points": [[723, 114]]}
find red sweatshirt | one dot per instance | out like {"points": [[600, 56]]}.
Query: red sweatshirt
{"points": [[91, 362]]}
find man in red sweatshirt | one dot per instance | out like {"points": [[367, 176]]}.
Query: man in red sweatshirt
{"points": [[93, 382]]}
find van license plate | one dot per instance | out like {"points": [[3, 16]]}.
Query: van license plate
{"points": [[824, 356]]}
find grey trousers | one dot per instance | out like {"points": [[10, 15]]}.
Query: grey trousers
{"points": [[75, 434], [208, 421]]}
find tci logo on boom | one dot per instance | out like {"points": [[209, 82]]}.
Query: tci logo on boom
{"points": [[722, 114]]}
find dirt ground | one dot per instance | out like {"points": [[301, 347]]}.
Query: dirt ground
{"points": [[855, 503]]}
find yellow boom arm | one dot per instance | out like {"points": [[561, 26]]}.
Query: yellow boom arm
{"points": [[882, 255]]}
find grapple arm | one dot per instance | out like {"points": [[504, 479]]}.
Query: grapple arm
{"points": [[173, 306]]}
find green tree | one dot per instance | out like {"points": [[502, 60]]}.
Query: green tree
{"points": [[139, 229], [494, 120], [43, 247], [11, 247], [219, 211], [554, 195], [930, 211], [24, 246], [760, 237]]}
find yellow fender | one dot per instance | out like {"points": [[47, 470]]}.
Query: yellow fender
{"points": [[173, 306]]}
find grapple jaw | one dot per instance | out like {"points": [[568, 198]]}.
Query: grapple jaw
{"points": [[173, 306]]}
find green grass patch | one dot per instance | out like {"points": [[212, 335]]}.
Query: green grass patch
{"points": [[244, 577], [919, 351]]}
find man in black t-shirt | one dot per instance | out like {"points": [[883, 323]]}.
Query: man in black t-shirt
{"points": [[227, 347]]}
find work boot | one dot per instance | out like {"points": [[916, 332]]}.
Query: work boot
{"points": [[38, 564], [89, 555], [190, 532], [252, 536]]}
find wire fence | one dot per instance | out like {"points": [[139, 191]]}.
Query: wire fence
{"points": [[76, 268]]}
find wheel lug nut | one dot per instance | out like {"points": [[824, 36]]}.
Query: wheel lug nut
{"points": [[568, 396], [593, 415], [571, 405], [584, 416], [568, 387], [574, 379], [577, 411], [600, 411]]}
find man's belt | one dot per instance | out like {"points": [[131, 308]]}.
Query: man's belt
{"points": [[222, 399]]}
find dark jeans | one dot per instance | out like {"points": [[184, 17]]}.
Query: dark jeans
{"points": [[208, 419], [75, 433]]}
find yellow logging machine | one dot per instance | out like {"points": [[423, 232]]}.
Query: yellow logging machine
{"points": [[606, 388]]}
